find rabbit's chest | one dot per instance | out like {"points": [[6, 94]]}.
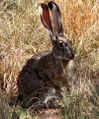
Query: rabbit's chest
{"points": [[64, 72]]}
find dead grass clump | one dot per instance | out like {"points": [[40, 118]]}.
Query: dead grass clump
{"points": [[19, 38]]}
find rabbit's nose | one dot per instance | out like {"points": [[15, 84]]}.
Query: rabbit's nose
{"points": [[72, 56]]}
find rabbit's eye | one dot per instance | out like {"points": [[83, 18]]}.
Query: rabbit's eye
{"points": [[60, 44]]}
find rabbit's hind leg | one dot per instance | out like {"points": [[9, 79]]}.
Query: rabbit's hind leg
{"points": [[52, 98], [47, 99]]}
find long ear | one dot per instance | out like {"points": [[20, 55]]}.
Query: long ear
{"points": [[45, 17], [56, 14]]}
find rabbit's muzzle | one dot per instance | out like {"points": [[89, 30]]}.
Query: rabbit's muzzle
{"points": [[72, 56], [69, 53]]}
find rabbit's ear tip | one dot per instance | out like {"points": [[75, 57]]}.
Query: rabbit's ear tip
{"points": [[50, 5], [41, 6]]}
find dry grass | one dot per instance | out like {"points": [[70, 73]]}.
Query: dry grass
{"points": [[21, 37]]}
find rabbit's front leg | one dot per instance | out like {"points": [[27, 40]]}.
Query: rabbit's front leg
{"points": [[72, 72], [61, 81]]}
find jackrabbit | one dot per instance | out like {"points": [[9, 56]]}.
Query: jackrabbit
{"points": [[41, 76]]}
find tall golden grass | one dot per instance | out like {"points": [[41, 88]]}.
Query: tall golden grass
{"points": [[22, 35]]}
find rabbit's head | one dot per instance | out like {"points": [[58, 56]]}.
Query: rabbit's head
{"points": [[50, 15]]}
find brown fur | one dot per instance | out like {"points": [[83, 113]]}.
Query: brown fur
{"points": [[44, 72]]}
